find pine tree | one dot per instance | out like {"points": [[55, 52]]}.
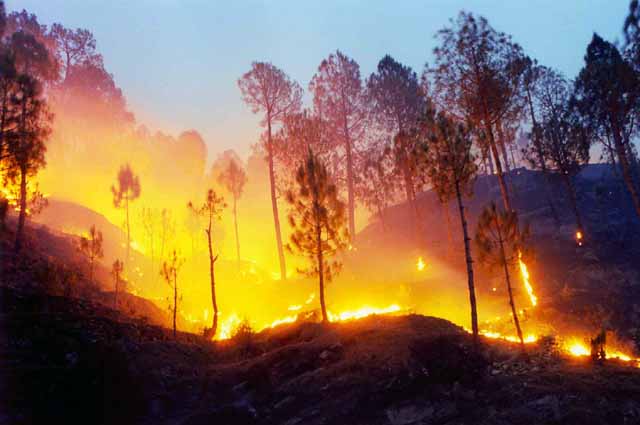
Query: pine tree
{"points": [[451, 170], [318, 222], [169, 273], [499, 241], [211, 210], [233, 177], [127, 190], [91, 247]]}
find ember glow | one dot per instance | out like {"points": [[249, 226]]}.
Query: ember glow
{"points": [[420, 264], [579, 238]]}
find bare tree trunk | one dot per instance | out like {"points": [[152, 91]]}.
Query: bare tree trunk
{"points": [[274, 203], [235, 225], [23, 208], [469, 261]]}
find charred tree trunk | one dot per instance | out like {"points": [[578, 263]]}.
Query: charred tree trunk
{"points": [[274, 203], [469, 261]]}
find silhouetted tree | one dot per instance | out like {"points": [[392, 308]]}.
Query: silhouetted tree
{"points": [[26, 143], [339, 99], [8, 85], [234, 178], [499, 241], [211, 210], [317, 219], [126, 190], [149, 221], [451, 170], [396, 101], [91, 247], [116, 272], [267, 89], [300, 132], [563, 143], [167, 230], [376, 186], [539, 85], [608, 97], [477, 78], [74, 47], [169, 272]]}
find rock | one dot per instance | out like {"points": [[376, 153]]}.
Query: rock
{"points": [[325, 355]]}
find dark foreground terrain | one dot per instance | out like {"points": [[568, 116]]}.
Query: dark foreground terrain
{"points": [[71, 361]]}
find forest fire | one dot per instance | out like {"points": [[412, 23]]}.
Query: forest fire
{"points": [[524, 272], [357, 230]]}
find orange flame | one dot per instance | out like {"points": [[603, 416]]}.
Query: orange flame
{"points": [[524, 272]]}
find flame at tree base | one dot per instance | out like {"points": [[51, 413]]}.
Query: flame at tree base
{"points": [[228, 326]]}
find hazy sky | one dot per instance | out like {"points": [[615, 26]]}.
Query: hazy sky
{"points": [[177, 61]]}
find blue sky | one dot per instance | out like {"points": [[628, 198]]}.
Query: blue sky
{"points": [[177, 61]]}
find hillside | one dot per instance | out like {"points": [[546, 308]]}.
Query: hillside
{"points": [[74, 362]]}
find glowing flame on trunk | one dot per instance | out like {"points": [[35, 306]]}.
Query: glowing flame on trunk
{"points": [[524, 272]]}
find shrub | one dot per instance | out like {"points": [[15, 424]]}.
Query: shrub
{"points": [[243, 338]]}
